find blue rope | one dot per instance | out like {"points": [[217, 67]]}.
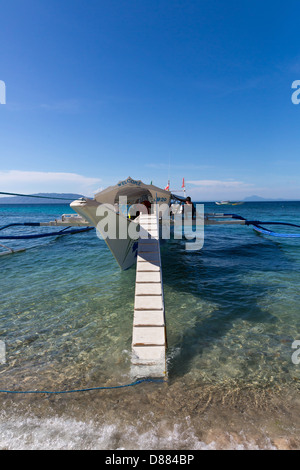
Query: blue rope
{"points": [[137, 382]]}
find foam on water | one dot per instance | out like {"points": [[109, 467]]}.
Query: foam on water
{"points": [[62, 433]]}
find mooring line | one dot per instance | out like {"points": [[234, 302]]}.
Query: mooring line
{"points": [[47, 392]]}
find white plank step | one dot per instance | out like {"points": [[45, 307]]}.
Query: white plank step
{"points": [[153, 247], [149, 226], [151, 223], [146, 256], [148, 336], [148, 241], [148, 318], [148, 302], [147, 217], [153, 276], [147, 355], [144, 232], [146, 266], [148, 288]]}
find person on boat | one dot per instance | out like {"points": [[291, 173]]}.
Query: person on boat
{"points": [[148, 205], [188, 202], [133, 213]]}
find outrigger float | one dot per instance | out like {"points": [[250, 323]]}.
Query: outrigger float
{"points": [[136, 214]]}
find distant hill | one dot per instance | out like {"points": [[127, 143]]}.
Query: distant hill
{"points": [[258, 198], [40, 200]]}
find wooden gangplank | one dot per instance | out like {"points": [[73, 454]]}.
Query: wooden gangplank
{"points": [[149, 339]]}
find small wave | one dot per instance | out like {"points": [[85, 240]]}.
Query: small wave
{"points": [[63, 433]]}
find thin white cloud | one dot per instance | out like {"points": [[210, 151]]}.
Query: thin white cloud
{"points": [[185, 166], [59, 106], [70, 105], [213, 86], [218, 189], [220, 184], [30, 182]]}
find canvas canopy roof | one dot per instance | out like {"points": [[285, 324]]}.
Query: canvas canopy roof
{"points": [[135, 191]]}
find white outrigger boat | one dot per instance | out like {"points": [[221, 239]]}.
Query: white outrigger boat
{"points": [[116, 213], [118, 207], [229, 203]]}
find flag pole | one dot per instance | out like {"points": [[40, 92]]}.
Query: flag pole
{"points": [[183, 186]]}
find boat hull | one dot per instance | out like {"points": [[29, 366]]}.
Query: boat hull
{"points": [[113, 228]]}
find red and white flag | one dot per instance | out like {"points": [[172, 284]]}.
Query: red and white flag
{"points": [[167, 187], [182, 183]]}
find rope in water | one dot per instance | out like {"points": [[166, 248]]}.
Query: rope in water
{"points": [[137, 382]]}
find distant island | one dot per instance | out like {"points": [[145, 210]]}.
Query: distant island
{"points": [[39, 198], [262, 199]]}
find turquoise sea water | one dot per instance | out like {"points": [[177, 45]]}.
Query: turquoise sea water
{"points": [[232, 312]]}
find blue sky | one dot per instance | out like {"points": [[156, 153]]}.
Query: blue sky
{"points": [[97, 91]]}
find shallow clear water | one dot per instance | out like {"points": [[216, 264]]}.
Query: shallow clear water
{"points": [[232, 312]]}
